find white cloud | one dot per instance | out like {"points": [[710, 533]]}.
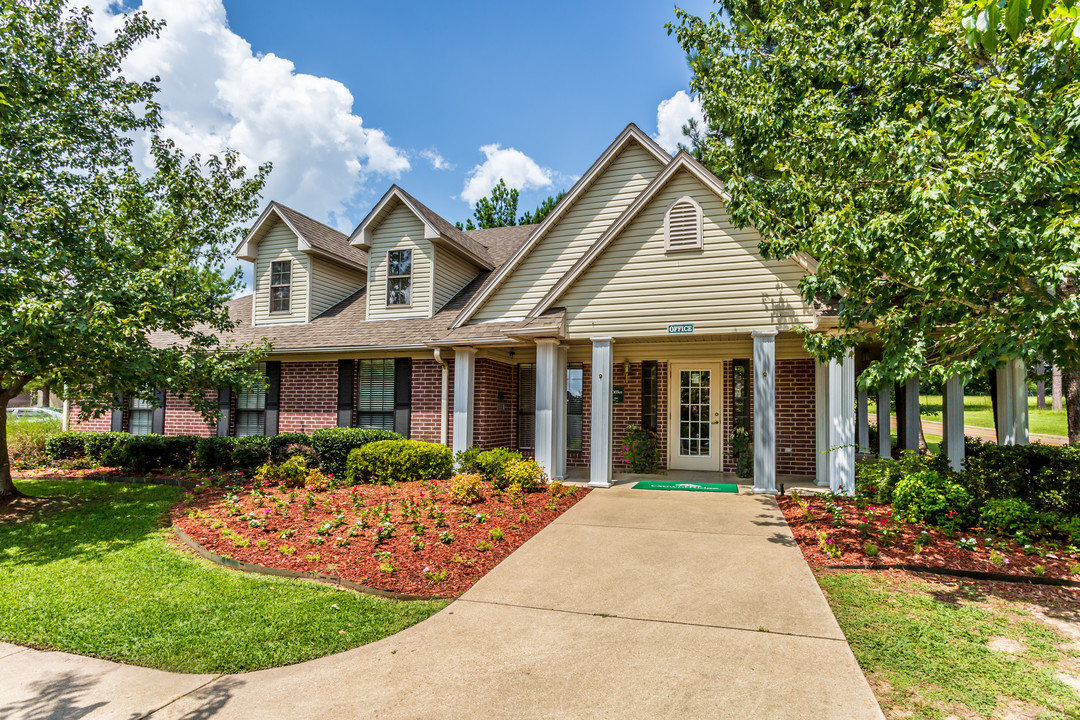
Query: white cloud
{"points": [[217, 94], [515, 167], [437, 161], [674, 113]]}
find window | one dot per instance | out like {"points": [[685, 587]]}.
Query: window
{"points": [[682, 225], [375, 394], [399, 277], [649, 394], [740, 393], [140, 417], [526, 409], [251, 406], [280, 285], [575, 378]]}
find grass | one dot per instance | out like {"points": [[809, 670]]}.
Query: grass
{"points": [[926, 651], [97, 575], [978, 412]]}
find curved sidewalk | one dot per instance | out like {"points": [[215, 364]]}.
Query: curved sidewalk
{"points": [[633, 604]]}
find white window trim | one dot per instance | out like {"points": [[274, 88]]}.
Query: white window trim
{"points": [[700, 225], [270, 299], [389, 277]]}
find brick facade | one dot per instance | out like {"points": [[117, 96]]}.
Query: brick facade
{"points": [[308, 396], [94, 424], [427, 401], [494, 420], [182, 419], [796, 444]]}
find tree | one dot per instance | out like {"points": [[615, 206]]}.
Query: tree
{"points": [[933, 175], [94, 256], [500, 209]]}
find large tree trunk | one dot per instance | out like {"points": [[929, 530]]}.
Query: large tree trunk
{"points": [[7, 486], [1072, 404]]}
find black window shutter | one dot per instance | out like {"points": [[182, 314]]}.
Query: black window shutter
{"points": [[224, 405], [346, 397], [993, 395], [117, 420], [402, 395], [159, 414], [648, 394], [273, 396], [901, 413]]}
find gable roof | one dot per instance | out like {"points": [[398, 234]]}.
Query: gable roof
{"points": [[314, 237], [436, 229], [631, 133], [682, 161]]}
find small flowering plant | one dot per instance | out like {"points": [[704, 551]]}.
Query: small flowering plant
{"points": [[967, 544]]}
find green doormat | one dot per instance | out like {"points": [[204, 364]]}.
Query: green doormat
{"points": [[691, 486]]}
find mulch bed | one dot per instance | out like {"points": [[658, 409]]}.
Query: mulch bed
{"points": [[939, 549], [222, 527]]}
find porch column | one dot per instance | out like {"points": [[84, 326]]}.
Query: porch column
{"points": [[603, 368], [547, 388], [560, 414], [821, 422], [862, 419], [909, 422], [765, 411], [884, 422], [1012, 426], [842, 425], [464, 372], [952, 422]]}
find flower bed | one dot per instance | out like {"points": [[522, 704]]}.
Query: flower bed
{"points": [[405, 538], [835, 531]]}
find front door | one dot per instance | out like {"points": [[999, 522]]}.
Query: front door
{"points": [[694, 423]]}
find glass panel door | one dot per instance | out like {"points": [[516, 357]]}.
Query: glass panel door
{"points": [[694, 422]]}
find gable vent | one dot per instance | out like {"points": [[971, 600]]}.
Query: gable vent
{"points": [[682, 225]]}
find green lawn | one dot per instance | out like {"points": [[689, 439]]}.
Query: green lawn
{"points": [[98, 576], [926, 651], [979, 412]]}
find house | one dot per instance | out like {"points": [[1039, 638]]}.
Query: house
{"points": [[635, 302]]}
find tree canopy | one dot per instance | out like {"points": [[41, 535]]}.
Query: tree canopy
{"points": [[930, 169], [95, 256], [500, 209]]}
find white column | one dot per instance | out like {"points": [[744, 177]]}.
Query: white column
{"points": [[464, 372], [884, 422], [842, 425], [952, 422], [560, 415], [603, 369], [1020, 402], [862, 419], [547, 388], [764, 411], [821, 422], [912, 419], [1012, 426]]}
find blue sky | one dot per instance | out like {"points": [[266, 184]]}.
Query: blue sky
{"points": [[347, 98]]}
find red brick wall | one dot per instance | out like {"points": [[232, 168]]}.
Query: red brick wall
{"points": [[795, 426], [493, 427], [427, 400], [308, 396], [182, 419], [98, 424]]}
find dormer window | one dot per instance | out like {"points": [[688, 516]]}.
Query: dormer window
{"points": [[682, 225], [280, 286], [399, 277]]}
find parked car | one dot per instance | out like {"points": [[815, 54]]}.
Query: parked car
{"points": [[34, 414]]}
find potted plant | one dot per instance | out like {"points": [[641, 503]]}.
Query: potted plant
{"points": [[742, 449]]}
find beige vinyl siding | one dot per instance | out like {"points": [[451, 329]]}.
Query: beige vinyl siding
{"points": [[634, 288], [280, 243], [677, 348], [452, 273], [608, 196], [400, 230], [330, 284]]}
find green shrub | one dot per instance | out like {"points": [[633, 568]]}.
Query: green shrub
{"points": [[179, 450], [1008, 516], [388, 461], [1047, 477], [467, 488], [249, 453], [26, 441], [928, 497], [740, 446], [96, 444], [66, 445], [491, 465], [466, 460], [138, 454], [640, 450], [877, 479], [214, 453], [333, 445], [525, 474], [283, 445], [292, 473]]}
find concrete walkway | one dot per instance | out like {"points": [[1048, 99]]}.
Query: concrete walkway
{"points": [[633, 604]]}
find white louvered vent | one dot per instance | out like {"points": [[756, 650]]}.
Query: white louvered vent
{"points": [[682, 225]]}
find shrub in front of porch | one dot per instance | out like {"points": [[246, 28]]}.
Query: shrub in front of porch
{"points": [[640, 450], [390, 461]]}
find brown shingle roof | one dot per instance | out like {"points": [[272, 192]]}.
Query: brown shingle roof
{"points": [[447, 229], [322, 237]]}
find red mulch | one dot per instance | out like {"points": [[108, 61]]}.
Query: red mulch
{"points": [[357, 561], [940, 551]]}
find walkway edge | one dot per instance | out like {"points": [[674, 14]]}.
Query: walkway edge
{"points": [[970, 574]]}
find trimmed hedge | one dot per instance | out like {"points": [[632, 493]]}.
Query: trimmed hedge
{"points": [[333, 445], [73, 444], [390, 461], [1046, 477]]}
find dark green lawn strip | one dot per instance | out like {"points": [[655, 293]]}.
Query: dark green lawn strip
{"points": [[99, 578], [933, 650]]}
